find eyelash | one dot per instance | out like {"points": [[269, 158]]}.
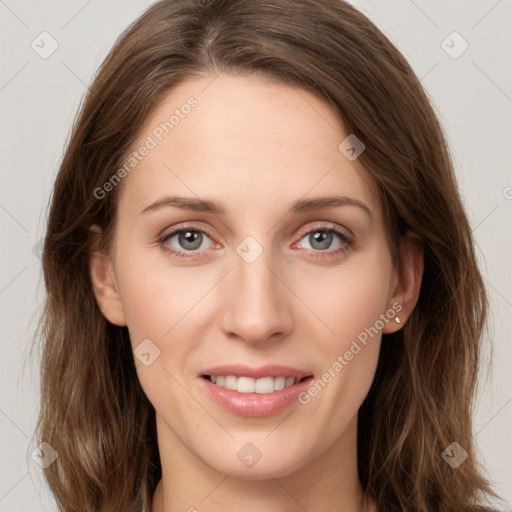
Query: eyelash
{"points": [[347, 240]]}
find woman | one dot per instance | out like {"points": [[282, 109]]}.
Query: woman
{"points": [[262, 287]]}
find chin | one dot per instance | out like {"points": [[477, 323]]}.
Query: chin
{"points": [[260, 471], [250, 463]]}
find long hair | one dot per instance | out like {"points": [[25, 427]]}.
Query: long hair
{"points": [[94, 412]]}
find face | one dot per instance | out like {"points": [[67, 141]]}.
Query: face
{"points": [[251, 276]]}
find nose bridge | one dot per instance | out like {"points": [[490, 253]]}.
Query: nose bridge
{"points": [[255, 308]]}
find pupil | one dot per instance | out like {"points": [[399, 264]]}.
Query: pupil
{"points": [[190, 239], [323, 237]]}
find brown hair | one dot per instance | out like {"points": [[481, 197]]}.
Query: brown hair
{"points": [[94, 412]]}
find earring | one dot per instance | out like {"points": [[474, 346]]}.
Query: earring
{"points": [[397, 319]]}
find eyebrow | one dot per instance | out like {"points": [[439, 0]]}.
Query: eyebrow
{"points": [[300, 206]]}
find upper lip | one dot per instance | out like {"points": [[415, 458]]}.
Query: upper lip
{"points": [[257, 372]]}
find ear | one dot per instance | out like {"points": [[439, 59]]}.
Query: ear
{"points": [[407, 281], [104, 282]]}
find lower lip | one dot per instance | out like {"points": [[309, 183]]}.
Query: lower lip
{"points": [[254, 404]]}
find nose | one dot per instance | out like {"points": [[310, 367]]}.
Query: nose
{"points": [[257, 303]]}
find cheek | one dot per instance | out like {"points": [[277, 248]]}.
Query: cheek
{"points": [[159, 307], [156, 297], [347, 299], [351, 305], [162, 304]]}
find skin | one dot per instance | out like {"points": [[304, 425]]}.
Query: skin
{"points": [[255, 146]]}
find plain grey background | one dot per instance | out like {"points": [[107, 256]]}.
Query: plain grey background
{"points": [[470, 88]]}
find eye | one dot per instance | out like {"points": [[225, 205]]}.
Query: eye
{"points": [[190, 242], [322, 238], [184, 240]]}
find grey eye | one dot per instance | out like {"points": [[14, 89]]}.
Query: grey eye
{"points": [[319, 239], [189, 239]]}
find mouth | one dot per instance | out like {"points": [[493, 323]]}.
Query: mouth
{"points": [[255, 392], [255, 396], [262, 386]]}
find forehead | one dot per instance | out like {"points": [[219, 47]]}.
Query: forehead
{"points": [[250, 142]]}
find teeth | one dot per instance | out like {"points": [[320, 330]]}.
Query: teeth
{"points": [[230, 382], [244, 384], [249, 385], [279, 383]]}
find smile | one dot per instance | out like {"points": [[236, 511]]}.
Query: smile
{"points": [[244, 384]]}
